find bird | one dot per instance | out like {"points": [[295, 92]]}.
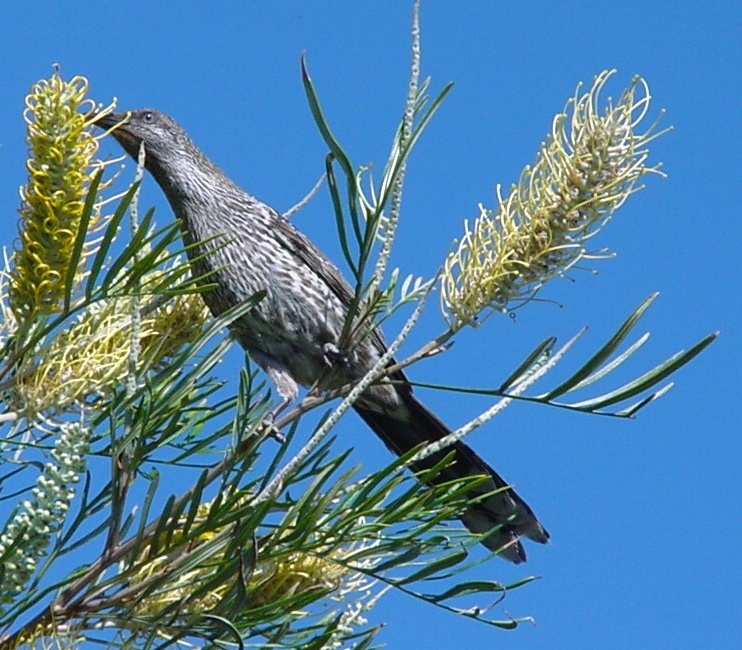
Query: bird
{"points": [[241, 246]]}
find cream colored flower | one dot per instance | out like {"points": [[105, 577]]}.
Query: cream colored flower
{"points": [[587, 167], [89, 358]]}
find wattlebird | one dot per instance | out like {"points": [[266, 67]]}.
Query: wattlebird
{"points": [[243, 246]]}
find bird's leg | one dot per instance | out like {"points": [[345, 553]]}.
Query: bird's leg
{"points": [[270, 417], [285, 385]]}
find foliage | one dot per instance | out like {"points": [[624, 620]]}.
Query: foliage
{"points": [[107, 373]]}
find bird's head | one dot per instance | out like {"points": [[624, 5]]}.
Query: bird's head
{"points": [[161, 135]]}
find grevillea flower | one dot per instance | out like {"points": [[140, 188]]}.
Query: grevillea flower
{"points": [[61, 165], [89, 358], [273, 578], [28, 533], [587, 167]]}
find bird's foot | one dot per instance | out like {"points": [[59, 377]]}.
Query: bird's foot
{"points": [[334, 356], [272, 430]]}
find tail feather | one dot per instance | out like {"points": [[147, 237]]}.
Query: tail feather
{"points": [[504, 509]]}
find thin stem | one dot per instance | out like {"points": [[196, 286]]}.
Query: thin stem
{"points": [[310, 195], [390, 226]]}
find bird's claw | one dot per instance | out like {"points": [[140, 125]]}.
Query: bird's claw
{"points": [[334, 356], [271, 430]]}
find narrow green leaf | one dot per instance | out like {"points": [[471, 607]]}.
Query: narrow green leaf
{"points": [[648, 379], [469, 588], [613, 364], [634, 408], [195, 498], [319, 118], [418, 130], [149, 261], [332, 143], [135, 245], [147, 502], [340, 217], [406, 557], [109, 235], [314, 500], [542, 349], [164, 528], [604, 352], [236, 636], [80, 237], [436, 566]]}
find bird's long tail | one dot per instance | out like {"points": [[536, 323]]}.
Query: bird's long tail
{"points": [[504, 513]]}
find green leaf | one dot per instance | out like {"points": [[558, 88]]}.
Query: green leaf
{"points": [[630, 411], [80, 237], [340, 218], [109, 235], [541, 351], [648, 379], [436, 566], [469, 588], [604, 352], [333, 145]]}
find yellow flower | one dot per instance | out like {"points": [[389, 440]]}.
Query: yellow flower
{"points": [[60, 167]]}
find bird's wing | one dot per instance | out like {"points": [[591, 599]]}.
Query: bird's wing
{"points": [[294, 241]]}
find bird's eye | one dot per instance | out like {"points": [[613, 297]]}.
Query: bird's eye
{"points": [[148, 117]]}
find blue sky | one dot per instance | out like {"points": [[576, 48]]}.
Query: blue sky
{"points": [[644, 514]]}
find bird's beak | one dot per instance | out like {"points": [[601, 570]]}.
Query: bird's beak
{"points": [[108, 120], [116, 125]]}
